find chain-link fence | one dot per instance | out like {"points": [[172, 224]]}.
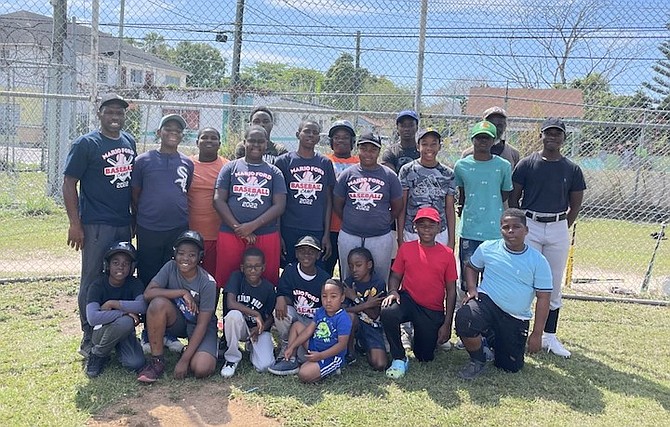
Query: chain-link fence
{"points": [[599, 64]]}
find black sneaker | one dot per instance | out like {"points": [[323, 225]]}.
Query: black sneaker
{"points": [[285, 367], [472, 369], [95, 365], [85, 347], [350, 359]]}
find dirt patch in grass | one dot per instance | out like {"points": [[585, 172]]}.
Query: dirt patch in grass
{"points": [[67, 305], [204, 405]]}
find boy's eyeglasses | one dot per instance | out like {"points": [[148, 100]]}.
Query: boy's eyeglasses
{"points": [[255, 267]]}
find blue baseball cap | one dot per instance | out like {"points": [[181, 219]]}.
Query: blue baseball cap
{"points": [[407, 113]]}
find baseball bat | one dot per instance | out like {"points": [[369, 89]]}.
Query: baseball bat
{"points": [[647, 275], [571, 255]]}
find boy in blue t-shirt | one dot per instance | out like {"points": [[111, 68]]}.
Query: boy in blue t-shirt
{"points": [[515, 273], [250, 301], [328, 334], [484, 182], [310, 178]]}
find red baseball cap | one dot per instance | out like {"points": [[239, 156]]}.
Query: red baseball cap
{"points": [[430, 213]]}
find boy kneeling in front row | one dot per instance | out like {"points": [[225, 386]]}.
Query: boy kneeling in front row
{"points": [[250, 302], [515, 272], [182, 299], [113, 309]]}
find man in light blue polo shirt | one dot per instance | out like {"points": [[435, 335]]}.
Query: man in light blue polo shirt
{"points": [[515, 274]]}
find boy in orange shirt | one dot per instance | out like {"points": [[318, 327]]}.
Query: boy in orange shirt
{"points": [[202, 215], [342, 138]]}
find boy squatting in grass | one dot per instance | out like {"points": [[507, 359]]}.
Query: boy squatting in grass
{"points": [[365, 291], [182, 302], [250, 301], [114, 305], [299, 290], [324, 339], [427, 271], [515, 273]]}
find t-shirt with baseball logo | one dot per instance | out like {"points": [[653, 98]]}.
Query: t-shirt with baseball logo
{"points": [[261, 297], [367, 200], [251, 188], [103, 167], [164, 179], [307, 182], [303, 294]]}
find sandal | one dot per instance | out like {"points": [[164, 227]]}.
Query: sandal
{"points": [[397, 369]]}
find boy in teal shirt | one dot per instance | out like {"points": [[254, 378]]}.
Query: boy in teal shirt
{"points": [[484, 182]]}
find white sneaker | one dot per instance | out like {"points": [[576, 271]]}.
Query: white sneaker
{"points": [[173, 344], [553, 345], [446, 346], [459, 345], [228, 369]]}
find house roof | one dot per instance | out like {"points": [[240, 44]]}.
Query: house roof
{"points": [[566, 103], [30, 28]]}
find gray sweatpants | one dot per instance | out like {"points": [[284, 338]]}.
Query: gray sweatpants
{"points": [[119, 335]]}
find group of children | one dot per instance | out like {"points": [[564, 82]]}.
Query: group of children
{"points": [[207, 226]]}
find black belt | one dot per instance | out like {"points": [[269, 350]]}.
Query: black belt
{"points": [[547, 218]]}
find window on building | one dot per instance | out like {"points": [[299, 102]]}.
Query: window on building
{"points": [[136, 77], [172, 81], [103, 72]]}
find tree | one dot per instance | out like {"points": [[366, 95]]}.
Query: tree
{"points": [[282, 78], [660, 85], [344, 78], [204, 63], [548, 48], [381, 94]]}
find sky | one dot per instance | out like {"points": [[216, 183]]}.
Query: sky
{"points": [[467, 41]]}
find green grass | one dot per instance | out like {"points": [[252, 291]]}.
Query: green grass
{"points": [[619, 375]]}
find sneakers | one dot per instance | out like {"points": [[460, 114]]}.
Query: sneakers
{"points": [[173, 344], [397, 369], [350, 359], [472, 369], [459, 345], [285, 367], [553, 345], [228, 369], [152, 371], [95, 365], [446, 346]]}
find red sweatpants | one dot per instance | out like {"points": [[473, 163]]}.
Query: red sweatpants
{"points": [[229, 250]]}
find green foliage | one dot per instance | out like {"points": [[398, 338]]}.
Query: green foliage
{"points": [[660, 85], [343, 77]]}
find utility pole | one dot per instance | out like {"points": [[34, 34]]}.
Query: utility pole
{"points": [[119, 68], [420, 58], [233, 113], [55, 86], [357, 76]]}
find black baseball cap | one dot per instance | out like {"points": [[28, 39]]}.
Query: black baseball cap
{"points": [[112, 98], [407, 113], [423, 132], [553, 122], [369, 138]]}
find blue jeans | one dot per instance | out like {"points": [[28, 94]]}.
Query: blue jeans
{"points": [[466, 247]]}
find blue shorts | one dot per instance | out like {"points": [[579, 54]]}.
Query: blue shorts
{"points": [[330, 365], [370, 337]]}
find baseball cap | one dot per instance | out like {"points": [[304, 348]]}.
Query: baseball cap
{"points": [[111, 98], [407, 113], [172, 117], [369, 138], [493, 111], [553, 122], [427, 212], [308, 241], [484, 127], [341, 124], [423, 132]]}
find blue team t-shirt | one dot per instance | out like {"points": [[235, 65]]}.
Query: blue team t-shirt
{"points": [[164, 179], [367, 199], [251, 188], [103, 167], [304, 295], [511, 278], [328, 330], [261, 297], [482, 182], [308, 182], [426, 186]]}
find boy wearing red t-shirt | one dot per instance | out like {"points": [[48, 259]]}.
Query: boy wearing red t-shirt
{"points": [[427, 270]]}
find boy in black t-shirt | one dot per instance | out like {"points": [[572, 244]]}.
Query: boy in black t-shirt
{"points": [[250, 300], [113, 307]]}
